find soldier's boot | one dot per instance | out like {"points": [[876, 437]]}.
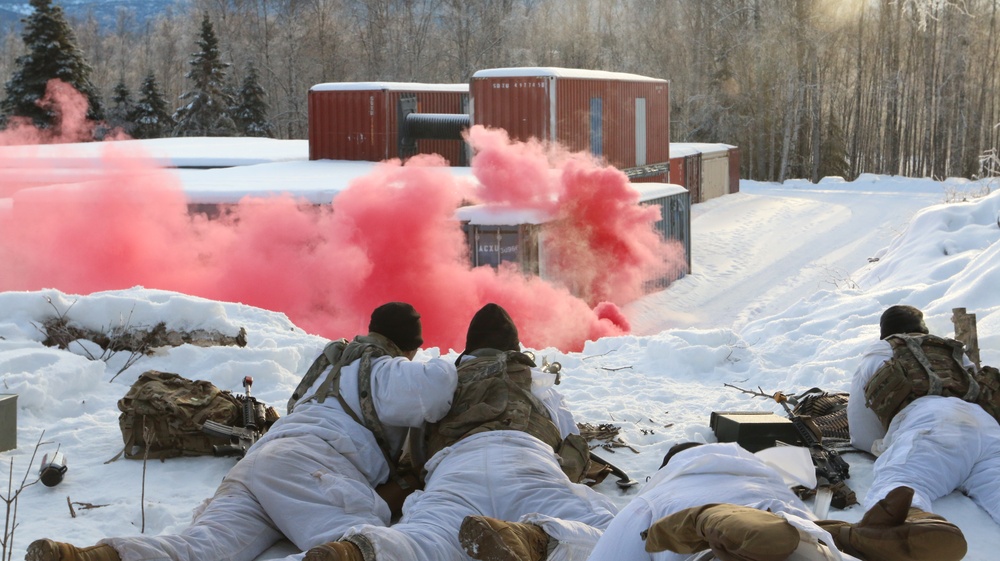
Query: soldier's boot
{"points": [[335, 551], [49, 550], [732, 532], [893, 530], [489, 539]]}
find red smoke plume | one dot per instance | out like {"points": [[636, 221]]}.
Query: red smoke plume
{"points": [[391, 235]]}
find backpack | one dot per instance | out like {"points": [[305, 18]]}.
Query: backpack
{"points": [[494, 393], [171, 410], [928, 365]]}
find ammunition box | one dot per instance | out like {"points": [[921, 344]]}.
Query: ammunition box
{"points": [[8, 422], [753, 430]]}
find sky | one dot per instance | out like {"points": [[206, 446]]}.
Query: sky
{"points": [[785, 291]]}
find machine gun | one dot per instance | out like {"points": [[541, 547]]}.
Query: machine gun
{"points": [[241, 438], [829, 464]]}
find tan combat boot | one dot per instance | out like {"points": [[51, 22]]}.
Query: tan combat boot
{"points": [[48, 550], [892, 530], [732, 532], [489, 539], [334, 551]]}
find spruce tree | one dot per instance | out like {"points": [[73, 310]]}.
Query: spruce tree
{"points": [[150, 116], [206, 111], [52, 53], [251, 108], [122, 107]]}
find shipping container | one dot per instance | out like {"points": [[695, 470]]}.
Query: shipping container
{"points": [[623, 119], [685, 170], [675, 214], [362, 120], [707, 170], [518, 237]]}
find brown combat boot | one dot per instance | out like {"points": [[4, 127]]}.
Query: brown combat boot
{"points": [[335, 551], [732, 532], [489, 539], [892, 530], [48, 550]]}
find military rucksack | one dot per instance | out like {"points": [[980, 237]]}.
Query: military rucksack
{"points": [[928, 365], [162, 416], [494, 393]]}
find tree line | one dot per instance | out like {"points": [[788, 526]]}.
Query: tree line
{"points": [[805, 88]]}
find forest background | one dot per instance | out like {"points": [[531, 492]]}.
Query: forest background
{"points": [[805, 88]]}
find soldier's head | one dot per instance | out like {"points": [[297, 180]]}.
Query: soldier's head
{"points": [[901, 319], [491, 328], [399, 323], [676, 449]]}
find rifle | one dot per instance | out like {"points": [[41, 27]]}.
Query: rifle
{"points": [[241, 438], [829, 464]]}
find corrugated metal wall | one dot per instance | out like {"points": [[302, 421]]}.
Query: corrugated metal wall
{"points": [[347, 125], [364, 124], [597, 116], [734, 170], [519, 105], [675, 223], [576, 100], [686, 172]]}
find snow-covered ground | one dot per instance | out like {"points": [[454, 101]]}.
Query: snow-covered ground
{"points": [[786, 288]]}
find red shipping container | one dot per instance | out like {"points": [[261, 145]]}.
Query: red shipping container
{"points": [[622, 118], [360, 120]]}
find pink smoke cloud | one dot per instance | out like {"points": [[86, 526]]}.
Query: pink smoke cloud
{"points": [[392, 235]]}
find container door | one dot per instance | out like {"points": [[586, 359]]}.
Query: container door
{"points": [[640, 131], [596, 132]]}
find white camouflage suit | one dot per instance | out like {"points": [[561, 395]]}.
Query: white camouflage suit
{"points": [[313, 474], [706, 474], [935, 444], [508, 475]]}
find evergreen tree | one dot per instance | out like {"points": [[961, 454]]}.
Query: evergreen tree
{"points": [[833, 150], [52, 53], [150, 116], [120, 113], [251, 108], [206, 111]]}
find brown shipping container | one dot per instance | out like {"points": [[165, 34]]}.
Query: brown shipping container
{"points": [[624, 118], [360, 120]]}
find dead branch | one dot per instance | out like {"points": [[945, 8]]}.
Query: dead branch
{"points": [[72, 513], [87, 506], [759, 393], [615, 369]]}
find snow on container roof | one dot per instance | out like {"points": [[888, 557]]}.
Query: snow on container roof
{"points": [[389, 86], [486, 215], [650, 191], [555, 72], [689, 148]]}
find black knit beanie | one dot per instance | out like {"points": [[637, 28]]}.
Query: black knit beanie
{"points": [[399, 323], [492, 328], [902, 319]]}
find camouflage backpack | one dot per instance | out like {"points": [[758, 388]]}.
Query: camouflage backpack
{"points": [[171, 410], [494, 393], [928, 365]]}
